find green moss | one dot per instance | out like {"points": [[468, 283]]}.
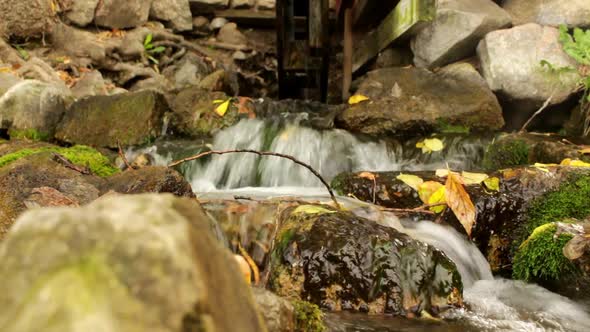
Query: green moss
{"points": [[571, 200], [308, 317], [79, 155], [447, 128], [31, 134], [511, 152], [337, 184], [541, 257]]}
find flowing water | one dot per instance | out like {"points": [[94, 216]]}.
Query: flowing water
{"points": [[491, 304]]}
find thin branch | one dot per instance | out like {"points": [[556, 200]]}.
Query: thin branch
{"points": [[264, 153], [225, 46], [122, 155], [523, 129]]}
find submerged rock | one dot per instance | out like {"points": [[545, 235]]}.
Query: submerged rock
{"points": [[148, 257], [130, 118], [411, 100], [458, 27], [573, 13], [343, 262]]}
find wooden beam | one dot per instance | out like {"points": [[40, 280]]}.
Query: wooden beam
{"points": [[406, 18]]}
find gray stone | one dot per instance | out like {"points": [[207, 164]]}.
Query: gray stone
{"points": [[573, 13], [511, 64], [7, 81], [406, 101], [278, 313], [213, 81], [82, 12], [176, 12], [266, 4], [31, 106], [394, 57], [26, 18], [218, 23], [189, 71], [454, 34], [230, 34], [120, 14], [123, 263], [9, 55], [201, 23], [90, 84]]}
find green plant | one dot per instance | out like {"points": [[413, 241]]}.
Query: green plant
{"points": [[308, 317], [151, 50]]}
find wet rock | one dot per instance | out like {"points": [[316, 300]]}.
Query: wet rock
{"points": [[149, 180], [131, 119], [177, 13], [39, 170], [120, 14], [82, 255], [413, 100], [81, 12], [343, 262], [523, 149], [27, 18], [573, 13], [230, 34], [194, 113], [31, 109], [242, 3], [454, 34], [278, 313], [511, 64], [143, 160]]}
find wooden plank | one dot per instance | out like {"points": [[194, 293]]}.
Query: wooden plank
{"points": [[318, 23], [406, 17]]}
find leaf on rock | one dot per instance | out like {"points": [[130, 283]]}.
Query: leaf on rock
{"points": [[222, 108], [543, 167], [574, 163], [367, 175], [427, 189], [459, 201], [357, 99], [430, 145], [473, 178], [242, 106], [492, 183], [438, 197], [411, 180], [312, 209]]}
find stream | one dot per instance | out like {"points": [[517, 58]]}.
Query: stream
{"points": [[492, 304]]}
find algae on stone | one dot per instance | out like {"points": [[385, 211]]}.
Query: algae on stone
{"points": [[507, 153], [308, 317]]}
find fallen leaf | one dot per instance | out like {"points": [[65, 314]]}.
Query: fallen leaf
{"points": [[312, 209], [492, 183], [438, 197], [426, 189], [576, 163], [367, 175], [459, 201], [242, 106], [222, 108], [251, 263], [442, 173], [411, 180], [473, 178], [543, 167], [357, 99], [430, 145]]}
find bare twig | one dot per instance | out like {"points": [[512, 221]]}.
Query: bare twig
{"points": [[122, 155], [225, 46], [264, 153], [523, 129]]}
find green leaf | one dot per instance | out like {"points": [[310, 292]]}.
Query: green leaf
{"points": [[492, 183], [148, 40], [158, 49], [152, 59], [411, 180]]}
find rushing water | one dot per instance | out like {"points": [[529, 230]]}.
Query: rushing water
{"points": [[491, 304]]}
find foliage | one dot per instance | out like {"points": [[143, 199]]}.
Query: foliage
{"points": [[459, 201], [151, 50], [541, 257], [80, 155], [357, 99], [430, 145], [506, 153], [308, 317]]}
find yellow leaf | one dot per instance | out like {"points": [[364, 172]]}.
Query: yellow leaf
{"points": [[312, 209], [459, 201], [438, 197], [473, 178], [411, 180], [543, 167], [430, 145], [357, 99], [578, 163], [492, 183], [222, 108], [426, 189], [218, 101]]}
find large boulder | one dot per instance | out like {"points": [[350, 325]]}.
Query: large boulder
{"points": [[149, 180], [81, 12], [511, 62], [7, 81], [454, 34], [409, 100], [135, 263], [32, 109], [27, 18], [120, 14], [177, 13], [343, 262], [573, 13], [103, 121]]}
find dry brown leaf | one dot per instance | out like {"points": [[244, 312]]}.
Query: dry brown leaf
{"points": [[243, 107], [367, 175], [459, 201]]}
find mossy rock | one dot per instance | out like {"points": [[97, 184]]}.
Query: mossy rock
{"points": [[79, 155], [30, 134], [308, 317], [339, 261], [104, 121], [506, 153], [150, 179]]}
